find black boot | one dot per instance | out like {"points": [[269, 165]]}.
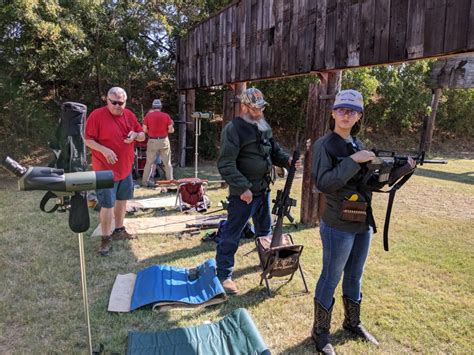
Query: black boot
{"points": [[320, 332], [352, 320]]}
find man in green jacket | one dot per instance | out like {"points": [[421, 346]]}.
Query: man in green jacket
{"points": [[247, 154]]}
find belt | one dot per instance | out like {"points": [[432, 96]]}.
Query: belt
{"points": [[158, 137]]}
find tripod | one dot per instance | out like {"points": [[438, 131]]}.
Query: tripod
{"points": [[85, 299]]}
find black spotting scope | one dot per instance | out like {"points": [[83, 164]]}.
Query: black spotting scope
{"points": [[51, 179]]}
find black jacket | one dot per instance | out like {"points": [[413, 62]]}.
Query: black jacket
{"points": [[246, 157], [339, 177]]}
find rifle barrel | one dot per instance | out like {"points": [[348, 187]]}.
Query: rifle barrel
{"points": [[434, 161]]}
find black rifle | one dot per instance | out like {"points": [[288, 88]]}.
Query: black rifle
{"points": [[388, 168], [283, 202], [392, 170]]}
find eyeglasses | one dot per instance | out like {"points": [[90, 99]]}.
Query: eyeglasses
{"points": [[256, 109], [120, 103], [344, 111]]}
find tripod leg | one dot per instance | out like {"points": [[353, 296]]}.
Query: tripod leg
{"points": [[84, 288], [304, 280], [268, 287]]}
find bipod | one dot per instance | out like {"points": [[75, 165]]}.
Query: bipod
{"points": [[279, 261]]}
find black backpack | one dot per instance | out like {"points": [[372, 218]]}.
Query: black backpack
{"points": [[70, 155]]}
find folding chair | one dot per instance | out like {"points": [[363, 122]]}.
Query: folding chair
{"points": [[190, 191], [279, 261]]}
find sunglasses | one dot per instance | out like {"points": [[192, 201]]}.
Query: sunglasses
{"points": [[120, 103], [343, 112]]}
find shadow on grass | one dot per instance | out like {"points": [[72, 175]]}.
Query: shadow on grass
{"points": [[307, 346], [464, 178]]}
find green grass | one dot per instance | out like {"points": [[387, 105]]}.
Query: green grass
{"points": [[418, 298]]}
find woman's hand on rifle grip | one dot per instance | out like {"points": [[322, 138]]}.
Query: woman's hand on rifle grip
{"points": [[363, 156]]}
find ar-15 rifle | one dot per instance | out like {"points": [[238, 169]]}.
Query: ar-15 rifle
{"points": [[388, 168], [392, 170], [283, 202]]}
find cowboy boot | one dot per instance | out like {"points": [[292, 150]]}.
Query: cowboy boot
{"points": [[105, 245], [352, 320], [321, 326]]}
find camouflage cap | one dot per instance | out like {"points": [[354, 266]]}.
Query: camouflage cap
{"points": [[253, 97]]}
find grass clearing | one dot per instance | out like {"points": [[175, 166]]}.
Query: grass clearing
{"points": [[418, 298]]}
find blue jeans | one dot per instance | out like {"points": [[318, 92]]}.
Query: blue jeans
{"points": [[342, 252], [238, 214]]}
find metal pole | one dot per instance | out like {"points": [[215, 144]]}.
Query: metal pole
{"points": [[196, 153], [84, 288]]}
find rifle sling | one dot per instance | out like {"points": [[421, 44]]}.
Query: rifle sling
{"points": [[391, 198]]}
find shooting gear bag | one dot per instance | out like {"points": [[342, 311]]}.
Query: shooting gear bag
{"points": [[70, 156]]}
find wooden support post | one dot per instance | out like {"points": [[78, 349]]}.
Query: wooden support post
{"points": [[231, 106], [182, 129], [320, 100], [187, 105], [428, 135], [190, 124]]}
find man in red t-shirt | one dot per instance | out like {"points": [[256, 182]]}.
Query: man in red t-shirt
{"points": [[157, 124], [110, 133]]}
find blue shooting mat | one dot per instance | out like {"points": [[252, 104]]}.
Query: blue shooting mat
{"points": [[169, 287], [235, 334]]}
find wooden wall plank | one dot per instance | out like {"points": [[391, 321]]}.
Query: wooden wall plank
{"points": [[293, 35], [229, 47], [208, 57], [259, 40], [353, 35], [320, 35], [218, 49], [285, 47], [342, 23], [265, 60], [398, 30], [278, 36], [367, 34], [253, 38], [309, 34], [381, 30], [435, 19], [415, 28], [330, 40], [245, 63], [470, 37], [234, 43], [457, 24]]}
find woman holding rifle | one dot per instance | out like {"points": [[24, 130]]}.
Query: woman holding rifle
{"points": [[347, 223]]}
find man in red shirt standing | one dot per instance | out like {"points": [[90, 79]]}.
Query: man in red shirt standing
{"points": [[157, 124], [110, 133]]}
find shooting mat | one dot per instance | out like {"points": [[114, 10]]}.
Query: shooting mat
{"points": [[154, 202], [166, 287], [235, 334]]}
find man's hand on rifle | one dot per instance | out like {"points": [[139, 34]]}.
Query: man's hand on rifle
{"points": [[247, 196], [298, 164]]}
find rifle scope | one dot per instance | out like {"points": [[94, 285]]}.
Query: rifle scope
{"points": [[51, 179]]}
